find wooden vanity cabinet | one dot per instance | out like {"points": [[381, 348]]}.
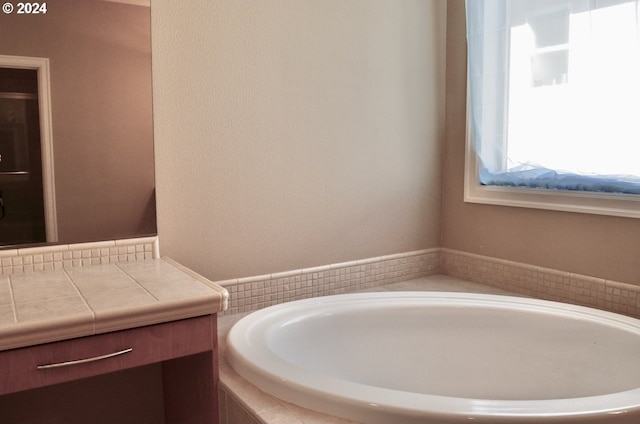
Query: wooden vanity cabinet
{"points": [[186, 349]]}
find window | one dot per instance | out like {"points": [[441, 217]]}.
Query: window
{"points": [[554, 104]]}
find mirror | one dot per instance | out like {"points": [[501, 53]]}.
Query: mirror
{"points": [[100, 90]]}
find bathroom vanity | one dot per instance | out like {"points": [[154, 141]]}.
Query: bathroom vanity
{"points": [[70, 324]]}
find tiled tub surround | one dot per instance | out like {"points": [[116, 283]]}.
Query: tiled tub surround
{"points": [[47, 306], [64, 256], [253, 293], [543, 283], [432, 269]]}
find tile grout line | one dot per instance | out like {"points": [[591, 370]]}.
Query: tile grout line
{"points": [[136, 282], [93, 313], [14, 307]]}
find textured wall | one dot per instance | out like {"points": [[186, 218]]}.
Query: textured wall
{"points": [[600, 246], [295, 133]]}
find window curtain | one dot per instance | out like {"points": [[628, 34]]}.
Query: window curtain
{"points": [[554, 93]]}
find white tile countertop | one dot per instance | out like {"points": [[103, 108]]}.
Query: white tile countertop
{"points": [[42, 307]]}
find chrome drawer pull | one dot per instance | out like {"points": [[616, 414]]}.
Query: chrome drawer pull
{"points": [[83, 361]]}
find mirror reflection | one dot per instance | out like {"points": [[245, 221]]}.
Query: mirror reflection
{"points": [[76, 131]]}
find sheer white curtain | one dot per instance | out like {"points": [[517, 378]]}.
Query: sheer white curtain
{"points": [[555, 93]]}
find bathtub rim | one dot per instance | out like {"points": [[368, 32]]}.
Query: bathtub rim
{"points": [[443, 408]]}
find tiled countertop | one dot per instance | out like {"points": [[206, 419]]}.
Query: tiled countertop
{"points": [[42, 307]]}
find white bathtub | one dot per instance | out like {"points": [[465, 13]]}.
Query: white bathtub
{"points": [[434, 357]]}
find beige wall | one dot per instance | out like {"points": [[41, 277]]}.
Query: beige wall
{"points": [[295, 133], [100, 69], [605, 247]]}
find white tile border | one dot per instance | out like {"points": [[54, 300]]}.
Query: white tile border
{"points": [[542, 283], [62, 256], [256, 292]]}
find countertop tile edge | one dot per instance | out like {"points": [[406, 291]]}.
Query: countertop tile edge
{"points": [[30, 333], [224, 294], [140, 316]]}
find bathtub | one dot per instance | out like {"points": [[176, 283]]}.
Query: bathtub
{"points": [[439, 357]]}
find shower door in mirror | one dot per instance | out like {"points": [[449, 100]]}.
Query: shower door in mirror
{"points": [[22, 218]]}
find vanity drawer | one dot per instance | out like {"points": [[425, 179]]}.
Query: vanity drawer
{"points": [[51, 363]]}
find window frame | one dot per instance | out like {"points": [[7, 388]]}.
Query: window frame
{"points": [[599, 203], [612, 204]]}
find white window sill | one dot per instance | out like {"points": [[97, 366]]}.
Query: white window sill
{"points": [[624, 205]]}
